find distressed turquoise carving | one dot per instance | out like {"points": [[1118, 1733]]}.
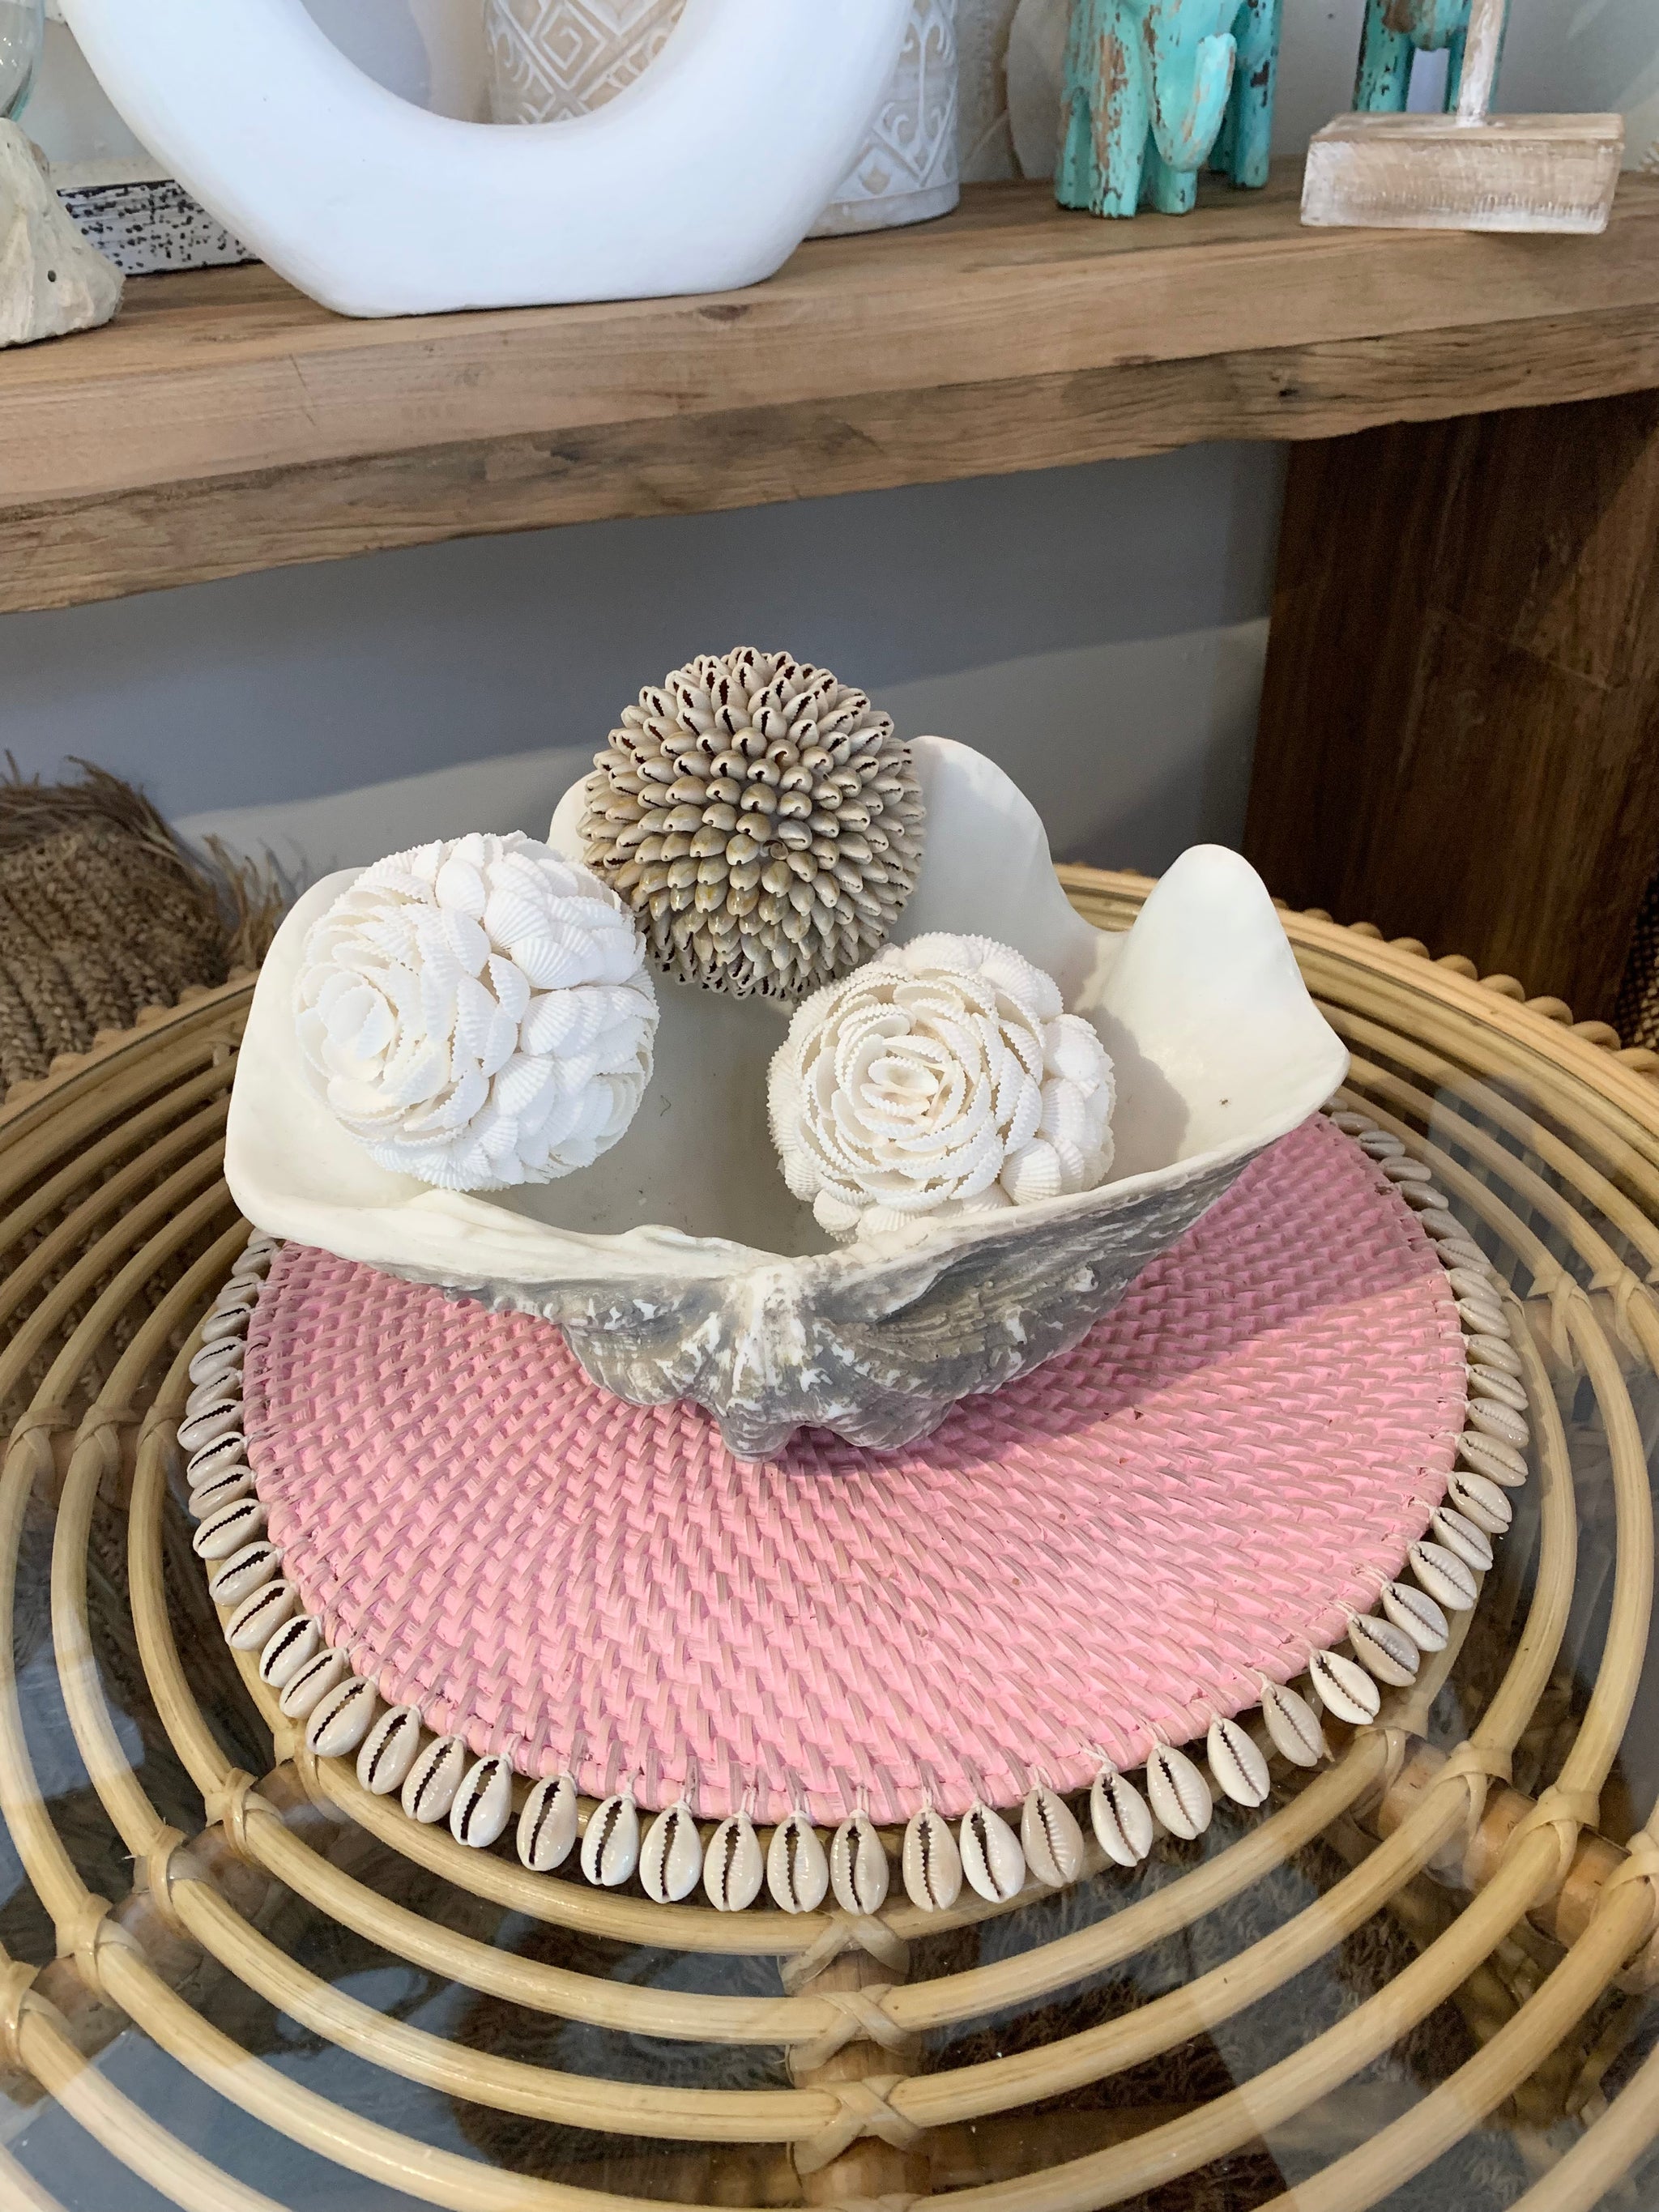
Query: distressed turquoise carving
{"points": [[1395, 33], [1154, 89]]}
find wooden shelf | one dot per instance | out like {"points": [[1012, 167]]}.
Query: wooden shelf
{"points": [[225, 424]]}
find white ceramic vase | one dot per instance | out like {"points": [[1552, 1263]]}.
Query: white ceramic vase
{"points": [[679, 1265], [553, 60]]}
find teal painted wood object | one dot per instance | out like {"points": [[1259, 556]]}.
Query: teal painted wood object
{"points": [[1154, 89], [1395, 33]]}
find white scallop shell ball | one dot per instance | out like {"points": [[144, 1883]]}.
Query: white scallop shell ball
{"points": [[477, 1014], [942, 1080]]}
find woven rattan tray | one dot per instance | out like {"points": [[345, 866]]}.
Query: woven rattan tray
{"points": [[1498, 1774]]}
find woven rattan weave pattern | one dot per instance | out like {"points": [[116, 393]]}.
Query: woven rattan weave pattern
{"points": [[580, 1586], [1548, 1146]]}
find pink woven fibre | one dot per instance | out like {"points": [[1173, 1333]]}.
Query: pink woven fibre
{"points": [[1115, 1548]]}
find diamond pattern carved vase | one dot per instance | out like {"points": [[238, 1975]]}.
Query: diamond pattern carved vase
{"points": [[552, 59]]}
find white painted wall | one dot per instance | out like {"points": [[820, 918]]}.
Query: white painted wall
{"points": [[1099, 630]]}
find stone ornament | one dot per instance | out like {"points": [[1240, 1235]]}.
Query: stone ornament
{"points": [[762, 819], [942, 1082], [51, 281], [681, 1266], [476, 1014], [705, 178], [553, 59]]}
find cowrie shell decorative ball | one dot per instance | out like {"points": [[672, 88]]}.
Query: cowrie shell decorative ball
{"points": [[942, 1080], [763, 820], [477, 1014]]}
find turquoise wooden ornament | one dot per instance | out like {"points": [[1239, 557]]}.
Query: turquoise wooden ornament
{"points": [[1153, 89], [1395, 33]]}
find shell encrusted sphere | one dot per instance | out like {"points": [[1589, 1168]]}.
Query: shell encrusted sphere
{"points": [[477, 1013], [762, 819], [943, 1080]]}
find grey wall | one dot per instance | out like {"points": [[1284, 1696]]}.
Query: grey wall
{"points": [[1099, 629]]}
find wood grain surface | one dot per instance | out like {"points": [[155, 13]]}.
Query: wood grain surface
{"points": [[1461, 703], [225, 424]]}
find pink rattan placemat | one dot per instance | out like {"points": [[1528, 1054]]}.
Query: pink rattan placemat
{"points": [[1115, 1547]]}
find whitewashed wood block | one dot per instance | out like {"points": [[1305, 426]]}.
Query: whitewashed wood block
{"points": [[553, 60], [51, 281], [141, 219], [907, 171], [1506, 172]]}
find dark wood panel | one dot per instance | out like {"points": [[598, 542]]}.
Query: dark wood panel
{"points": [[1460, 731]]}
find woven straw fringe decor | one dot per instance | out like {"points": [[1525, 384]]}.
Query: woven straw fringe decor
{"points": [[908, 2055], [103, 913]]}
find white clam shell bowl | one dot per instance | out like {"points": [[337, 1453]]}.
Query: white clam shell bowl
{"points": [[680, 1266]]}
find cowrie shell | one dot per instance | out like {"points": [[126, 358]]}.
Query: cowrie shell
{"points": [[1443, 1575], [1343, 1688], [1454, 1248], [483, 1804], [223, 1489], [287, 1651], [216, 1420], [1180, 1796], [671, 1857], [1499, 1463], [797, 1868], [611, 1848], [1390, 1652], [1474, 1282], [238, 1295], [1461, 1537], [228, 1450], [1121, 1817], [387, 1752], [1051, 1838], [547, 1826], [311, 1683], [243, 1572], [1424, 1197], [430, 1785], [733, 1866], [231, 1526], [1399, 1167], [255, 1619], [1500, 1390], [1489, 1418], [255, 1261], [1418, 1614], [1482, 1317], [1351, 1124], [1238, 1768], [858, 1873], [219, 1326], [1491, 1353], [932, 1863], [1293, 1725], [220, 1391], [216, 1363], [992, 1859], [1381, 1145], [345, 1717], [1480, 1500]]}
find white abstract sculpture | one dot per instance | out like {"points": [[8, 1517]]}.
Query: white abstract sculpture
{"points": [[703, 176]]}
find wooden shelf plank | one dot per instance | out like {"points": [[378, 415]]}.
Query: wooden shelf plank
{"points": [[224, 423]]}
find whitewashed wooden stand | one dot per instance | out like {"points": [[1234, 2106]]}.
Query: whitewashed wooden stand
{"points": [[1470, 170]]}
